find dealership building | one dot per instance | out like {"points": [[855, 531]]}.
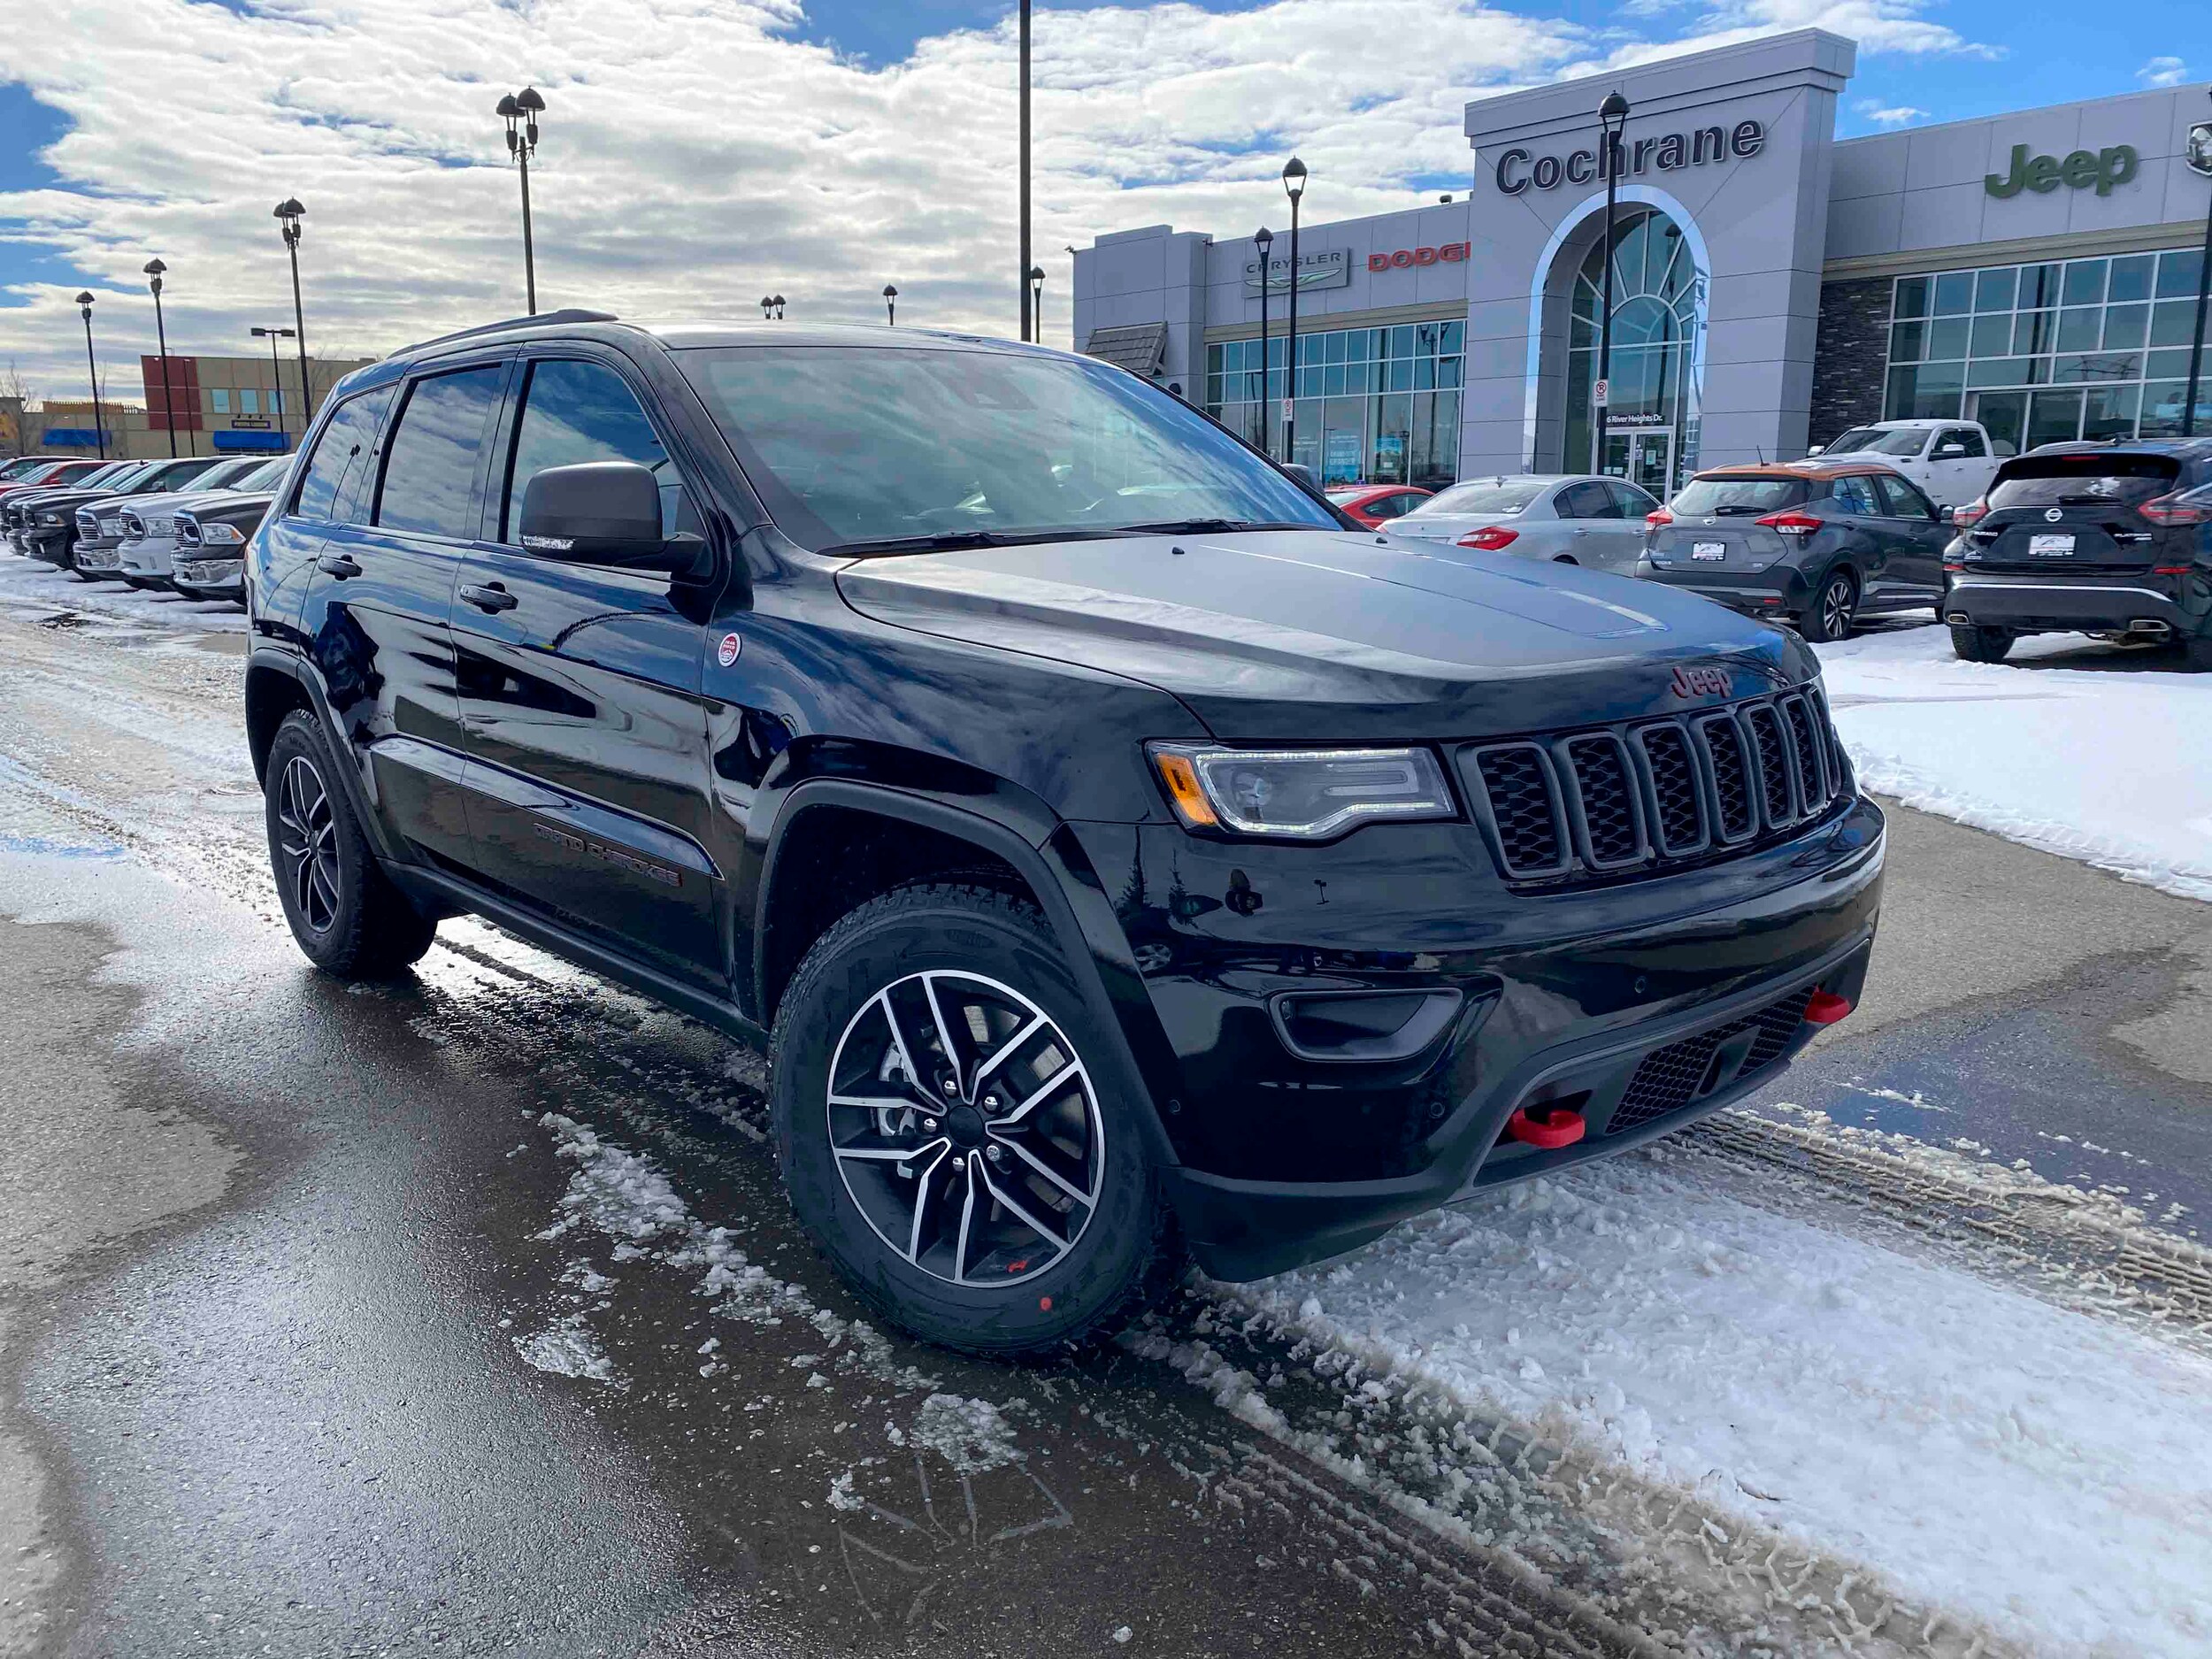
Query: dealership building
{"points": [[1772, 284]]}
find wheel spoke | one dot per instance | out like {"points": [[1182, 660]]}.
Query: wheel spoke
{"points": [[1058, 1240], [874, 1103], [1004, 1052], [944, 1034], [1037, 1164], [922, 1179], [1011, 1119], [891, 1155], [967, 1223]]}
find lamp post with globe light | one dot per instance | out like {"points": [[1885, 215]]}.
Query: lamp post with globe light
{"points": [[520, 110], [891, 305], [1613, 117], [154, 269], [1294, 186], [99, 426], [1264, 239], [289, 211]]}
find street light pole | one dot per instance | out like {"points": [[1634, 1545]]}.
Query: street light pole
{"points": [[1037, 304], [290, 211], [154, 268], [777, 301], [891, 304], [1262, 239], [1612, 120], [99, 426], [1027, 317], [1295, 185], [2196, 340], [521, 111], [276, 374]]}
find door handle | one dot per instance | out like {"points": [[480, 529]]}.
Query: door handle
{"points": [[489, 598], [339, 565]]}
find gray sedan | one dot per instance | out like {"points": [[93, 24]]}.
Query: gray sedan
{"points": [[1572, 519]]}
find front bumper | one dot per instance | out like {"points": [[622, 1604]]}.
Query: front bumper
{"points": [[148, 557], [2031, 602], [99, 556], [54, 544], [1284, 1159], [211, 578]]}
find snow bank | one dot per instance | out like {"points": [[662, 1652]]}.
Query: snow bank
{"points": [[2027, 1466], [2101, 760]]}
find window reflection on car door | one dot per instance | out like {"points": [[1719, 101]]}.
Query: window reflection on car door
{"points": [[580, 688], [1918, 533]]}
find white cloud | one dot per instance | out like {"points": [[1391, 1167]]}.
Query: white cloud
{"points": [[697, 155], [1888, 115], [2164, 72]]}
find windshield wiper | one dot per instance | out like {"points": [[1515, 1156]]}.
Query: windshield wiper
{"points": [[1735, 510], [1208, 526], [943, 542]]}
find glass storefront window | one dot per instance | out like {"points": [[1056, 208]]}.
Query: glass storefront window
{"points": [[1970, 344], [1369, 410]]}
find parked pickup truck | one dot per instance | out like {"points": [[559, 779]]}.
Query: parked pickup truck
{"points": [[1952, 461]]}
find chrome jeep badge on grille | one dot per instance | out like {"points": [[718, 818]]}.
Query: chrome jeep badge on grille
{"points": [[1699, 682]]}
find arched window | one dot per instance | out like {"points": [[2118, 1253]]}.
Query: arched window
{"points": [[1658, 310]]}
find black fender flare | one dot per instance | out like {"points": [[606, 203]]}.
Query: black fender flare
{"points": [[1059, 875], [273, 659]]}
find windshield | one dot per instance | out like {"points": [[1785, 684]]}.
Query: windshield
{"points": [[99, 475], [1727, 498], [1490, 495], [268, 475], [224, 473], [1873, 440], [864, 448]]}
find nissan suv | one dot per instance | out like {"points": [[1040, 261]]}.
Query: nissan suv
{"points": [[1119, 852], [2108, 539]]}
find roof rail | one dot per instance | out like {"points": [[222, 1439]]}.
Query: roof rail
{"points": [[542, 320]]}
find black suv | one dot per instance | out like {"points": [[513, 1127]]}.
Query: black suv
{"points": [[1815, 544], [1118, 850], [2108, 539]]}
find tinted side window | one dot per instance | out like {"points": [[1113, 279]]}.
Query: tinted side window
{"points": [[330, 487], [574, 412], [1632, 503], [430, 463], [1853, 496], [1902, 500]]}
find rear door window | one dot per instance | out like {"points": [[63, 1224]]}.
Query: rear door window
{"points": [[2082, 480], [1587, 500], [1632, 503], [430, 463], [574, 412], [1854, 496], [331, 489]]}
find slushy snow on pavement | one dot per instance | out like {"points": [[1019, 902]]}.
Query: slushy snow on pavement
{"points": [[2092, 751], [2040, 1471]]}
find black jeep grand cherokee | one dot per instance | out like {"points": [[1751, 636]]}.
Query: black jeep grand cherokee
{"points": [[1119, 850]]}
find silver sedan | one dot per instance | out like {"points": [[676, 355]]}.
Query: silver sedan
{"points": [[1570, 517]]}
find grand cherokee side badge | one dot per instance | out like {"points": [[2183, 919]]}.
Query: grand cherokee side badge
{"points": [[726, 652]]}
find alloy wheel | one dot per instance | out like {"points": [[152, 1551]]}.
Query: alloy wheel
{"points": [[965, 1128], [1835, 609], [308, 845]]}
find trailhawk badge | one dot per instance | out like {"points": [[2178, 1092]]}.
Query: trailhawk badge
{"points": [[726, 652], [1699, 682]]}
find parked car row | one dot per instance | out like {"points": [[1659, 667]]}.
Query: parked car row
{"points": [[2112, 539], [179, 524]]}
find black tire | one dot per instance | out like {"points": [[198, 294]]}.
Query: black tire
{"points": [[1834, 608], [348, 919], [1981, 645], [1124, 1252], [2196, 654]]}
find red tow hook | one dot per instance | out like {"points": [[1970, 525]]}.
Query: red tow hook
{"points": [[1825, 1008], [1547, 1127]]}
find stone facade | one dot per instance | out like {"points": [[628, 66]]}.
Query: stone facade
{"points": [[1851, 355]]}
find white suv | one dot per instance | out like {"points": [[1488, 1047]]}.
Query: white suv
{"points": [[146, 556]]}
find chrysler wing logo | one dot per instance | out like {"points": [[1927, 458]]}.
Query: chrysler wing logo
{"points": [[1699, 682], [2199, 152]]}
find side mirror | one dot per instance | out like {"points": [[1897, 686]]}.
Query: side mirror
{"points": [[598, 512], [1816, 450], [1951, 452], [1304, 474]]}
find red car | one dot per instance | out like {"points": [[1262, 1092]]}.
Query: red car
{"points": [[1373, 505], [34, 471]]}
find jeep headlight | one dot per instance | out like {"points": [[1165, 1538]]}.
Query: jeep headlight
{"points": [[1303, 794], [222, 535]]}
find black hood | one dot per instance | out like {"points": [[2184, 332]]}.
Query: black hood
{"points": [[66, 500], [230, 504], [1326, 635]]}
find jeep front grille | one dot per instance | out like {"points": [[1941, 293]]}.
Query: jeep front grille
{"points": [[1647, 796]]}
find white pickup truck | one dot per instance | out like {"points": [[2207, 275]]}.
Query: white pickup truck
{"points": [[1952, 461]]}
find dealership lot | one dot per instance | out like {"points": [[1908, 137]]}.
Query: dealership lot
{"points": [[558, 1331]]}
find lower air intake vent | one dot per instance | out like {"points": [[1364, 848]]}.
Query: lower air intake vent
{"points": [[1685, 1072]]}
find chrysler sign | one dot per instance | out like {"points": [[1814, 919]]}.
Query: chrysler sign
{"points": [[1331, 268]]}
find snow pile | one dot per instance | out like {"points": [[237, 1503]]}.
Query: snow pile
{"points": [[567, 1348], [2108, 759], [33, 588], [2031, 1467], [969, 1434]]}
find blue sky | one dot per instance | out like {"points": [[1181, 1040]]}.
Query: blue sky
{"points": [[816, 147]]}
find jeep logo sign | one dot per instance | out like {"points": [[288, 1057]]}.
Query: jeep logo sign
{"points": [[1699, 682], [2103, 168]]}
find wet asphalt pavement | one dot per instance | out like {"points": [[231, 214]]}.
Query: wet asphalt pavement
{"points": [[466, 1315]]}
